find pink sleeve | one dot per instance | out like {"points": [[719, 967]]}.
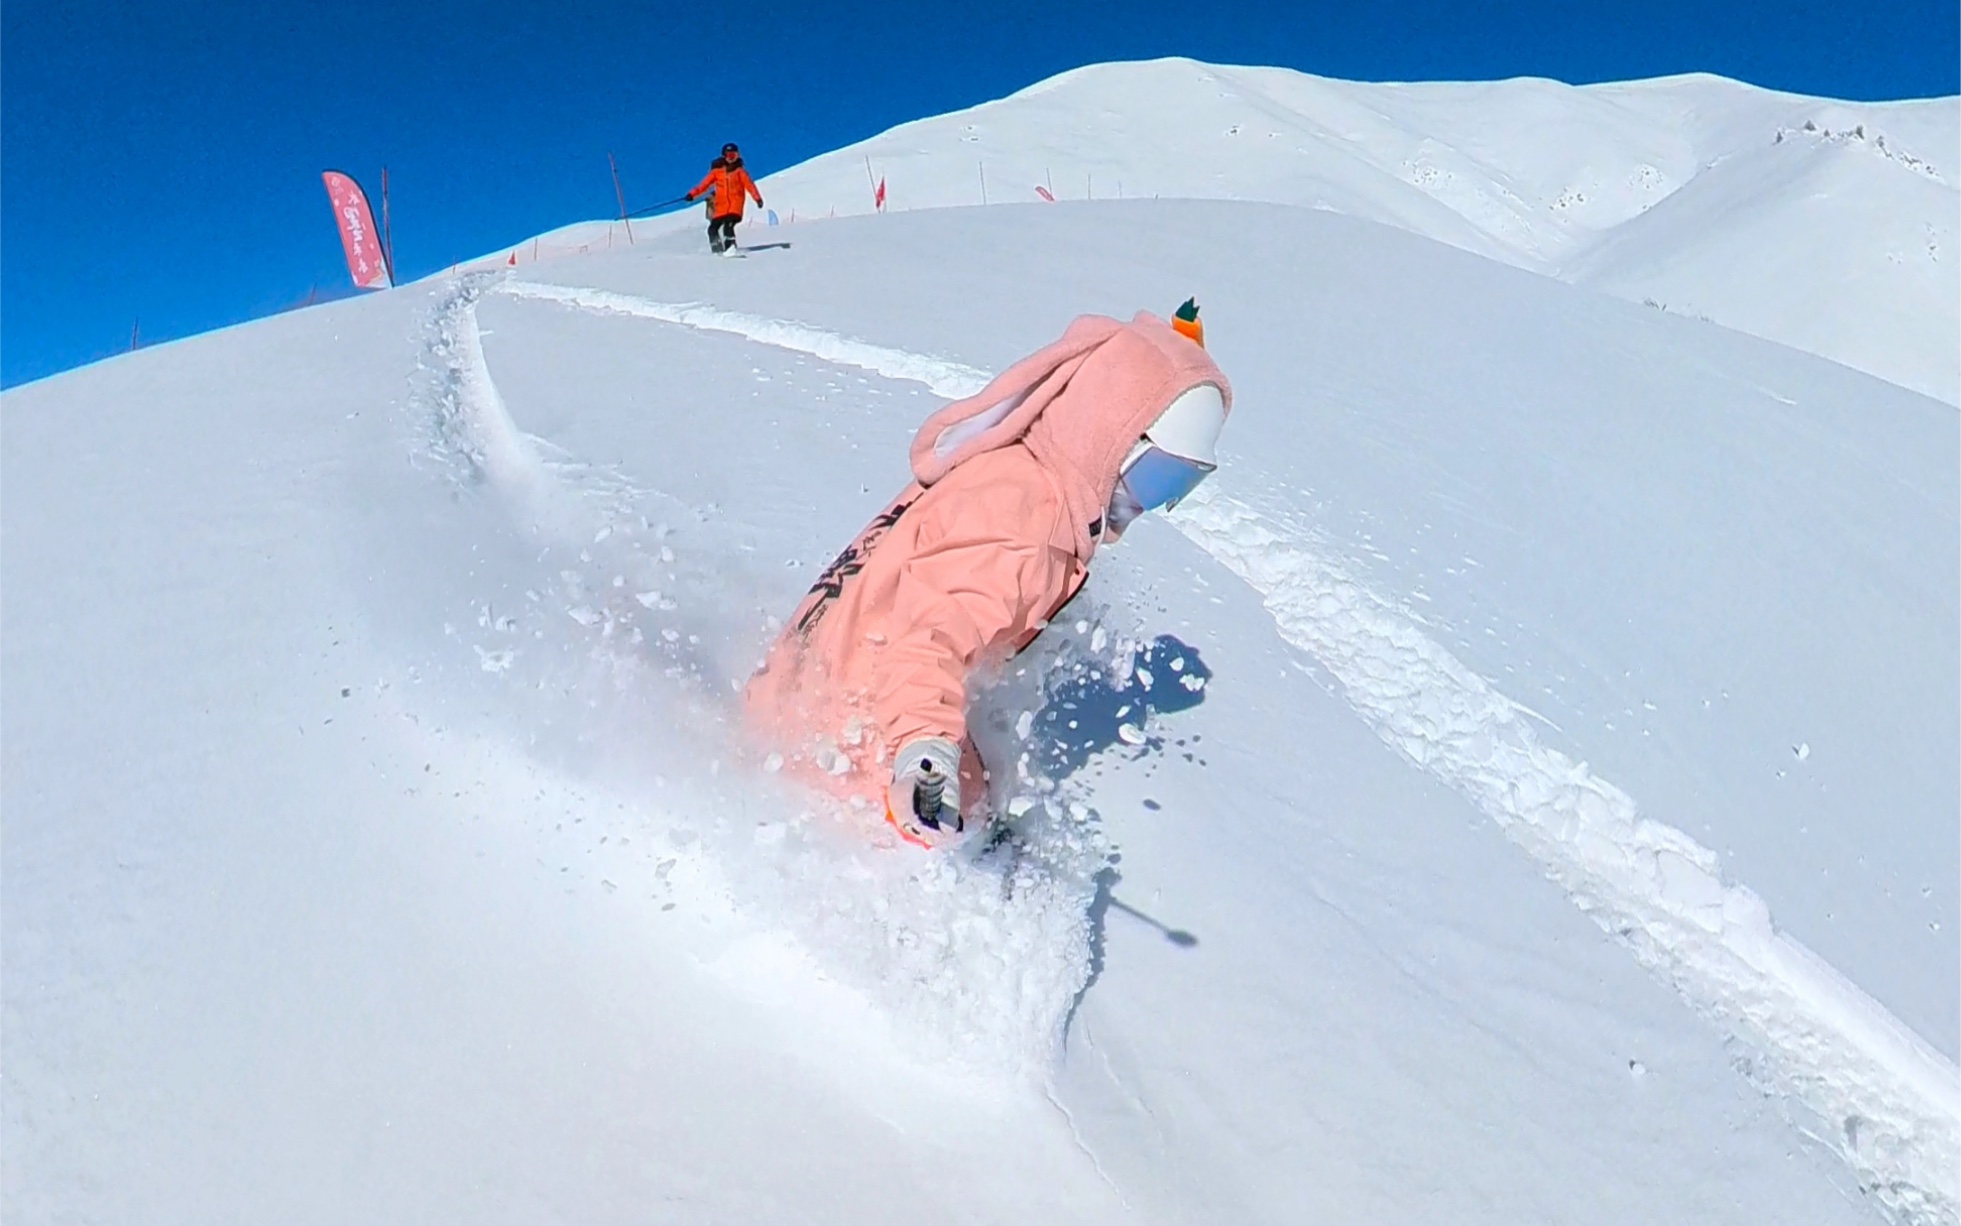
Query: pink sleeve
{"points": [[982, 573]]}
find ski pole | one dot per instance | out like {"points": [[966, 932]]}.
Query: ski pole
{"points": [[655, 208]]}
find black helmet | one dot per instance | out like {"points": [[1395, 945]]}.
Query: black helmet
{"points": [[729, 150]]}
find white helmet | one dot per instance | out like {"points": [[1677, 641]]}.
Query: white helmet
{"points": [[1190, 427]]}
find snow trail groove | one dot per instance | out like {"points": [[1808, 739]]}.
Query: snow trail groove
{"points": [[1889, 1104]]}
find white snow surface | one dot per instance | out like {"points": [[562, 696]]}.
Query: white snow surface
{"points": [[1825, 225], [1522, 788]]}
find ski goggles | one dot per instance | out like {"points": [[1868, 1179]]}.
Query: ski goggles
{"points": [[1156, 478]]}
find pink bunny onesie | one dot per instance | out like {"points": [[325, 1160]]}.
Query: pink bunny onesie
{"points": [[966, 566]]}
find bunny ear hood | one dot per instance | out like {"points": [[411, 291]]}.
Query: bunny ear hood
{"points": [[1001, 412], [1079, 404]]}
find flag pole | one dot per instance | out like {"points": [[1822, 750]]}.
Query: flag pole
{"points": [[387, 236], [617, 191]]}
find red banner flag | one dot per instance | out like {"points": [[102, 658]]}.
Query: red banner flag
{"points": [[365, 262], [1044, 193], [878, 197]]}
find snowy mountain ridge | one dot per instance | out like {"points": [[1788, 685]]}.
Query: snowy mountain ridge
{"points": [[1551, 818], [1843, 244]]}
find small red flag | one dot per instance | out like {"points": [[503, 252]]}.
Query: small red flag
{"points": [[878, 197], [1044, 193]]}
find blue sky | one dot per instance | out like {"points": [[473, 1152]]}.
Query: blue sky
{"points": [[162, 163]]}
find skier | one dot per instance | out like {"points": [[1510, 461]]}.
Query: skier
{"points": [[725, 186], [1013, 490]]}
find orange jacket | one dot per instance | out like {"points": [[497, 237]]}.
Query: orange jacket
{"points": [[730, 184]]}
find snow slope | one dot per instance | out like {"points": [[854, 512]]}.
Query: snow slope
{"points": [[1828, 226], [376, 846]]}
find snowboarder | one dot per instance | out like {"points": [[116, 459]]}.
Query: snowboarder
{"points": [[1013, 490], [726, 187]]}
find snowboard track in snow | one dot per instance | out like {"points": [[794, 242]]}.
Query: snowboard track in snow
{"points": [[1882, 1098]]}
